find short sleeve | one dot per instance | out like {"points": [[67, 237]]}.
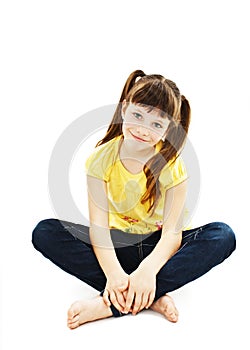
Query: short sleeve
{"points": [[173, 174], [95, 167], [100, 162]]}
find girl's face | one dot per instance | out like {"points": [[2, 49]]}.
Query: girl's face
{"points": [[146, 128]]}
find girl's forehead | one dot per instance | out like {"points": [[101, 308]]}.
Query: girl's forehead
{"points": [[148, 111]]}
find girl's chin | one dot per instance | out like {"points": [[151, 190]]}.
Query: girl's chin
{"points": [[137, 144]]}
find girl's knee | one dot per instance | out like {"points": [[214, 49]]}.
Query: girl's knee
{"points": [[224, 234], [47, 224], [40, 234]]}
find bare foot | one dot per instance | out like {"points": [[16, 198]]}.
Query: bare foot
{"points": [[84, 311], [165, 306]]}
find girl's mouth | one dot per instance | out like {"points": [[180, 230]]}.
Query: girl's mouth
{"points": [[138, 138]]}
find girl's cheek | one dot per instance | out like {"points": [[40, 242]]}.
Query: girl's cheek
{"points": [[157, 137]]}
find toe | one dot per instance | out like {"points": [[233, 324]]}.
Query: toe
{"points": [[171, 311], [73, 311], [173, 317], [73, 325], [74, 319]]}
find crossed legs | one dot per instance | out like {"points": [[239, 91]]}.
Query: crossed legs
{"points": [[202, 248]]}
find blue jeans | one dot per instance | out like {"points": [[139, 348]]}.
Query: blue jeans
{"points": [[68, 246]]}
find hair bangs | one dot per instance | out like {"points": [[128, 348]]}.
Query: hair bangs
{"points": [[153, 96]]}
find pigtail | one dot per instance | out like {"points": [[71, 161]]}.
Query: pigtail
{"points": [[171, 148], [130, 83], [115, 127], [185, 115], [178, 136]]}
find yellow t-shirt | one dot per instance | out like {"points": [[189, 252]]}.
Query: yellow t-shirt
{"points": [[125, 190]]}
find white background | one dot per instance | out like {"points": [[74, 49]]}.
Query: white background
{"points": [[61, 59]]}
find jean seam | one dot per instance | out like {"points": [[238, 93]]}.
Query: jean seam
{"points": [[194, 233], [140, 251], [184, 245], [122, 243]]}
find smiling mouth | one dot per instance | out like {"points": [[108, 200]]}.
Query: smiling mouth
{"points": [[138, 138]]}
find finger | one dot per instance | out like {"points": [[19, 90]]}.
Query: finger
{"points": [[125, 293], [125, 298], [106, 298], [114, 301], [129, 300], [123, 287], [120, 299], [137, 303], [150, 299], [144, 301]]}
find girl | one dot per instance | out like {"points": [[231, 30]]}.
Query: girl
{"points": [[137, 248]]}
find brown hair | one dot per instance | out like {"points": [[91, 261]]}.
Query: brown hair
{"points": [[155, 91]]}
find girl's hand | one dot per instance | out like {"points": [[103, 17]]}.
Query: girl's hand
{"points": [[116, 285], [141, 291]]}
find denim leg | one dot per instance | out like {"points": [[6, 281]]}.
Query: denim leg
{"points": [[68, 246], [202, 249], [55, 240]]}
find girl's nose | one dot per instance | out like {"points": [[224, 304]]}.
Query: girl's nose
{"points": [[142, 130]]}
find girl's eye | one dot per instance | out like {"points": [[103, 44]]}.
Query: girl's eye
{"points": [[137, 116], [157, 125]]}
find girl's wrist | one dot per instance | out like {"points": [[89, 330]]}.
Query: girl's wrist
{"points": [[114, 272], [148, 266]]}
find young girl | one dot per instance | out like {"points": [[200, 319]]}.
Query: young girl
{"points": [[137, 248]]}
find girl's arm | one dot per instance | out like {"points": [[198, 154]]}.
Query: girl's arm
{"points": [[171, 237], [143, 281], [117, 279]]}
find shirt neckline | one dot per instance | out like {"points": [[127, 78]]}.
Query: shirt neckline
{"points": [[125, 170]]}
